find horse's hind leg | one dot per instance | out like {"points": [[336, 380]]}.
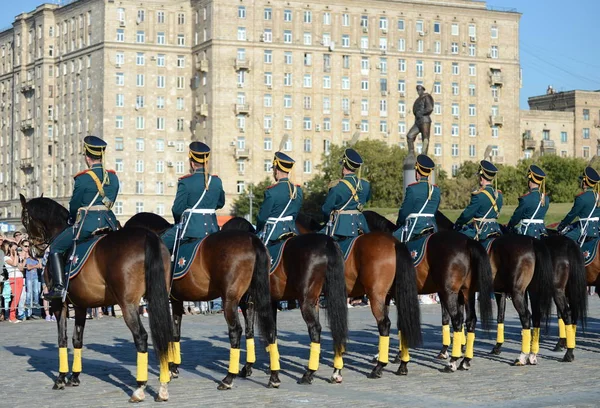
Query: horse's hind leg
{"points": [[77, 346], [471, 322], [60, 311], [247, 306], [380, 311], [132, 319], [501, 303], [443, 355], [450, 300], [175, 355], [564, 314], [520, 304], [310, 313], [230, 310]]}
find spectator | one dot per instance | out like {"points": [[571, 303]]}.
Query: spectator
{"points": [[3, 277], [32, 286], [18, 236], [15, 265]]}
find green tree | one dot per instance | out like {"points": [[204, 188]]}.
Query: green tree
{"points": [[241, 206]]}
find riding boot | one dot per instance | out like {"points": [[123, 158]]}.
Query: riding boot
{"points": [[56, 267]]}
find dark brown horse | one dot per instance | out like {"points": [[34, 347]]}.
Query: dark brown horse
{"points": [[522, 267], [571, 279], [123, 267], [310, 265], [455, 267], [228, 265]]}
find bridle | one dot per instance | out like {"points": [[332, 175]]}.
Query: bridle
{"points": [[40, 243]]}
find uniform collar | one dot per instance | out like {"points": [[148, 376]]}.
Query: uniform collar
{"points": [[535, 189], [96, 166], [283, 179], [423, 180], [200, 170]]}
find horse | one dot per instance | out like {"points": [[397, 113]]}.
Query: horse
{"points": [[453, 267], [228, 264], [571, 278], [522, 267], [123, 267], [309, 265]]}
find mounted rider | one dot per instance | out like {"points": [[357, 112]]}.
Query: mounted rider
{"points": [[346, 198], [528, 218], [586, 208], [276, 218], [90, 210], [484, 207], [416, 216], [198, 197]]}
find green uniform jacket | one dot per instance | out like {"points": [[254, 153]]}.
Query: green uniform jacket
{"points": [[583, 207], [479, 206], [347, 225], [529, 208], [414, 199], [277, 197]]}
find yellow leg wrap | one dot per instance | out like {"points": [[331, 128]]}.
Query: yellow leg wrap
{"points": [[399, 341], [250, 351], [446, 335], [470, 345], [142, 367], [404, 352], [456, 344], [384, 349], [570, 329], [165, 373], [177, 352], [76, 360], [464, 336], [535, 342], [500, 334], [526, 341], [313, 359], [338, 361], [234, 360], [63, 360], [274, 357], [562, 332]]}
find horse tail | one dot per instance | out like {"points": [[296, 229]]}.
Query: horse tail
{"points": [[157, 295], [407, 298], [260, 290], [335, 293], [577, 284], [544, 279], [480, 265]]}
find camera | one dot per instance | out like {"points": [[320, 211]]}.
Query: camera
{"points": [[19, 249]]}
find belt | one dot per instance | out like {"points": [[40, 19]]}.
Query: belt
{"points": [[590, 219], [354, 212], [532, 221], [485, 220], [200, 211], [274, 220], [417, 215], [94, 208]]}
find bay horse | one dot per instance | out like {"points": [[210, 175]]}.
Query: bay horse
{"points": [[228, 265], [522, 268], [310, 265], [571, 278], [455, 268], [123, 267]]}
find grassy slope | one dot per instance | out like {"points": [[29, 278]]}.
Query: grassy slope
{"points": [[555, 213]]}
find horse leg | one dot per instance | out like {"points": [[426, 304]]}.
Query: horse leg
{"points": [[230, 310], [380, 311], [248, 312], [501, 303], [398, 357], [274, 381], [60, 312], [77, 346], [564, 315], [445, 334], [562, 335], [131, 315], [471, 322], [520, 305], [452, 305], [310, 313], [175, 353]]}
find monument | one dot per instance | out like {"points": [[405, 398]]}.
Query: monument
{"points": [[422, 109]]}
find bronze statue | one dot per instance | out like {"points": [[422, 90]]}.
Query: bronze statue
{"points": [[422, 108]]}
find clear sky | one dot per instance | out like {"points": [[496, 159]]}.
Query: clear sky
{"points": [[559, 41]]}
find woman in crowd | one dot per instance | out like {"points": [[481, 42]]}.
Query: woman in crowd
{"points": [[32, 286], [15, 264]]}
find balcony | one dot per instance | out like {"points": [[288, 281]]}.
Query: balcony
{"points": [[529, 144], [202, 65], [202, 109], [496, 79], [548, 147], [243, 108], [26, 124], [496, 120], [27, 86], [27, 163], [242, 64], [242, 153]]}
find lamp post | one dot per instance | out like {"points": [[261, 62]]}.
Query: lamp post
{"points": [[250, 197]]}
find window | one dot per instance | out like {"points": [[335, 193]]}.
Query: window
{"points": [[472, 30], [402, 65], [345, 125], [586, 152], [455, 89], [119, 143], [120, 101], [139, 187], [287, 36], [586, 114], [307, 145], [268, 13], [364, 21], [327, 124], [268, 79], [308, 16], [267, 35], [345, 82], [454, 29], [402, 128], [139, 207], [346, 61], [419, 45], [364, 126], [267, 166], [454, 149], [383, 43], [345, 20], [383, 23], [345, 40], [437, 27], [472, 110], [586, 133], [160, 17], [267, 122], [160, 145], [268, 57], [287, 146], [307, 82], [139, 81], [160, 38], [545, 134], [472, 90], [268, 144], [495, 132], [437, 88], [140, 59], [120, 35], [140, 123], [401, 45], [472, 70], [326, 104], [437, 67], [419, 68], [563, 137], [401, 25], [241, 12], [454, 130], [180, 103], [180, 61], [327, 18], [118, 208], [140, 37], [179, 167], [402, 86], [287, 79], [287, 16], [419, 26], [454, 48], [160, 123], [455, 109], [437, 108], [181, 40], [437, 47], [494, 32], [241, 33], [472, 50], [437, 149], [287, 58], [160, 102], [307, 59], [119, 58], [327, 82], [472, 130], [455, 68], [307, 123], [308, 39], [494, 52], [119, 165], [326, 39], [287, 101], [437, 129], [160, 81], [268, 101], [139, 166], [307, 166], [364, 107]]}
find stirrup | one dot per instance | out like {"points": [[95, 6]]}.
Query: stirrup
{"points": [[55, 293]]}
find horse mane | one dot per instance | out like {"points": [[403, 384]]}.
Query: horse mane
{"points": [[378, 222], [148, 220], [443, 222], [309, 223], [47, 211], [238, 224]]}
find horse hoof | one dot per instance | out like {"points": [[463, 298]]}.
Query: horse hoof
{"points": [[522, 360], [449, 369], [223, 386], [336, 379], [305, 380], [58, 386], [73, 381], [558, 348], [532, 360], [246, 371], [568, 358], [402, 370], [273, 384], [138, 395], [465, 365], [443, 355], [376, 373], [163, 393], [496, 350]]}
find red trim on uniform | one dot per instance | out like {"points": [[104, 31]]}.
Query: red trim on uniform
{"points": [[271, 186], [186, 176], [81, 173], [500, 191], [412, 184], [525, 195], [111, 171], [581, 193]]}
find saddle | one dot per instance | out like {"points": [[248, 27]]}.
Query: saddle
{"points": [[423, 234]]}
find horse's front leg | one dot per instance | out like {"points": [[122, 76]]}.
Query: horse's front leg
{"points": [[77, 346], [60, 310]]}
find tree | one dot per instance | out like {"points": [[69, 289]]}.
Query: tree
{"points": [[241, 206]]}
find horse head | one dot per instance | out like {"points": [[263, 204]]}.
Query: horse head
{"points": [[43, 219]]}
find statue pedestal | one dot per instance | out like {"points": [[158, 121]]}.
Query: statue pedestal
{"points": [[408, 168]]}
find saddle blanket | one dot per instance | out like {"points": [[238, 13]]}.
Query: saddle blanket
{"points": [[186, 254], [275, 251], [417, 249], [589, 250], [77, 259], [346, 246], [487, 244]]}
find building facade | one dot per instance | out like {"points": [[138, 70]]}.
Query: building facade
{"points": [[248, 78]]}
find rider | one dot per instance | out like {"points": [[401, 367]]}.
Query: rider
{"points": [[198, 197], [532, 206], [94, 195], [484, 207], [586, 208], [416, 216], [277, 215], [346, 198]]}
